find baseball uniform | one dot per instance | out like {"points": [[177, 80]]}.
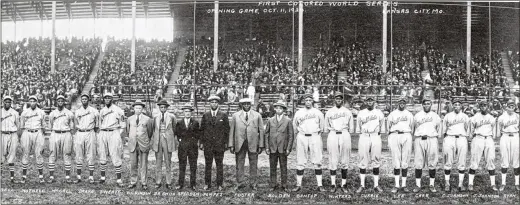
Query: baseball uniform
{"points": [[370, 123], [32, 138], [427, 129], [60, 141], [455, 144], [339, 123], [509, 144], [86, 119], [308, 125], [109, 139], [483, 129], [10, 120], [400, 125]]}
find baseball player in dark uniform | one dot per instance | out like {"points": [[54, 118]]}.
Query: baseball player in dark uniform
{"points": [[214, 126], [10, 125]]}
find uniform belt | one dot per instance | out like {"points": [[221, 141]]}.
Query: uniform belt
{"points": [[485, 137], [61, 131], [33, 131], [509, 134], [84, 130], [423, 137], [338, 133], [308, 135], [108, 130], [8, 132], [397, 132]]}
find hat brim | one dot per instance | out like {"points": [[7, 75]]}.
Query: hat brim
{"points": [[141, 104], [188, 108], [159, 104], [85, 96], [280, 105], [11, 99]]}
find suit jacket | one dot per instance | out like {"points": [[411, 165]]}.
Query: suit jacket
{"points": [[279, 134], [170, 122], [253, 129], [188, 137], [215, 132], [139, 134]]}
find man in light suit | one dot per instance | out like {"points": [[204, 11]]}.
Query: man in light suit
{"points": [[215, 134], [187, 131], [279, 142], [246, 136], [140, 130], [163, 142]]}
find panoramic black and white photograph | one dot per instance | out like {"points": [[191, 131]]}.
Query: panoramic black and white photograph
{"points": [[260, 102]]}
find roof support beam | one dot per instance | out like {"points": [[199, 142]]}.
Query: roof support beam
{"points": [[93, 7], [171, 8], [35, 6], [15, 11], [67, 9], [119, 10], [42, 11], [145, 8]]}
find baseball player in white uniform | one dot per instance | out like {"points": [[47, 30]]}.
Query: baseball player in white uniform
{"points": [[482, 126], [10, 125], [427, 127], [32, 121], [400, 124], [455, 144], [370, 125], [508, 124], [109, 138], [308, 125], [86, 119], [61, 121], [339, 124]]}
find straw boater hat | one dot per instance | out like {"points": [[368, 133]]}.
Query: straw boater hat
{"points": [[280, 103], [246, 100], [163, 102], [214, 97], [7, 97], [138, 102], [188, 106]]}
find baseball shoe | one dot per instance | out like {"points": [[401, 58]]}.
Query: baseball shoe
{"points": [[321, 189], [102, 181], [120, 184], [360, 189], [91, 181], [220, 188], [378, 189], [447, 188], [502, 187], [332, 188], [77, 181], [12, 181], [406, 190], [158, 186], [144, 187], [206, 188], [517, 187], [168, 186], [462, 189], [42, 181], [131, 186], [179, 187], [253, 187], [432, 189], [416, 189], [394, 190], [470, 187], [51, 180], [24, 179], [494, 187], [297, 189], [68, 180], [344, 189], [283, 189], [195, 189]]}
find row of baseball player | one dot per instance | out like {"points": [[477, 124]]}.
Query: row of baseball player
{"points": [[246, 135]]}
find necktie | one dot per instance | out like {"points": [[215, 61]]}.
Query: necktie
{"points": [[137, 122], [162, 119], [247, 117]]}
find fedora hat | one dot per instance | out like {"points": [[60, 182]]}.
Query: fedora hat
{"points": [[138, 102], [280, 103], [163, 102], [188, 106]]}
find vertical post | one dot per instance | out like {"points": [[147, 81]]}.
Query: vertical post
{"points": [[330, 27], [15, 30], [41, 29], [292, 48], [53, 44], [385, 29], [468, 39], [215, 38], [489, 40], [300, 36], [132, 65]]}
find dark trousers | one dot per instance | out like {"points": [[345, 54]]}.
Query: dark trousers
{"points": [[241, 160], [189, 153], [274, 158], [218, 156]]}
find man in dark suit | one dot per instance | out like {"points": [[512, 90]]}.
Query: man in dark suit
{"points": [[215, 133], [187, 131], [246, 136], [279, 138]]}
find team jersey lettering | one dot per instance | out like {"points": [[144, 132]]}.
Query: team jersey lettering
{"points": [[481, 123], [368, 119], [10, 115], [108, 113], [510, 122], [400, 119], [31, 116], [455, 121], [424, 120], [338, 115], [59, 116], [307, 117], [81, 116]]}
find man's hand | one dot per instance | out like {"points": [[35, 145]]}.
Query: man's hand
{"points": [[260, 150], [267, 151], [287, 152], [232, 150], [201, 146]]}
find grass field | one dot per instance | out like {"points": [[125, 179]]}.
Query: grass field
{"points": [[61, 192]]}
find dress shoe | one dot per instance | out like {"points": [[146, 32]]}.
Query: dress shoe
{"points": [[394, 190], [206, 188], [283, 189], [179, 187], [144, 187], [131, 186], [220, 188], [462, 189], [502, 188], [158, 186], [360, 189], [321, 189], [333, 189], [168, 186], [517, 187], [470, 187], [297, 189], [432, 189], [494, 187], [344, 189], [416, 189], [406, 190], [193, 188], [378, 189], [254, 187]]}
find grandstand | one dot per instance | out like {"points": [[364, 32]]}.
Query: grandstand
{"points": [[151, 50]]}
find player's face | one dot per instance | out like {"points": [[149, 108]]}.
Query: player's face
{"points": [[246, 106], [187, 113], [84, 101], [95, 99], [32, 103], [457, 106], [483, 107], [163, 108], [138, 109], [279, 110], [308, 103], [108, 100], [370, 103], [427, 106], [402, 105], [338, 101], [213, 104], [7, 104], [61, 102], [510, 108]]}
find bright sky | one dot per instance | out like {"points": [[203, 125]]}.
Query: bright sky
{"points": [[154, 28]]}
